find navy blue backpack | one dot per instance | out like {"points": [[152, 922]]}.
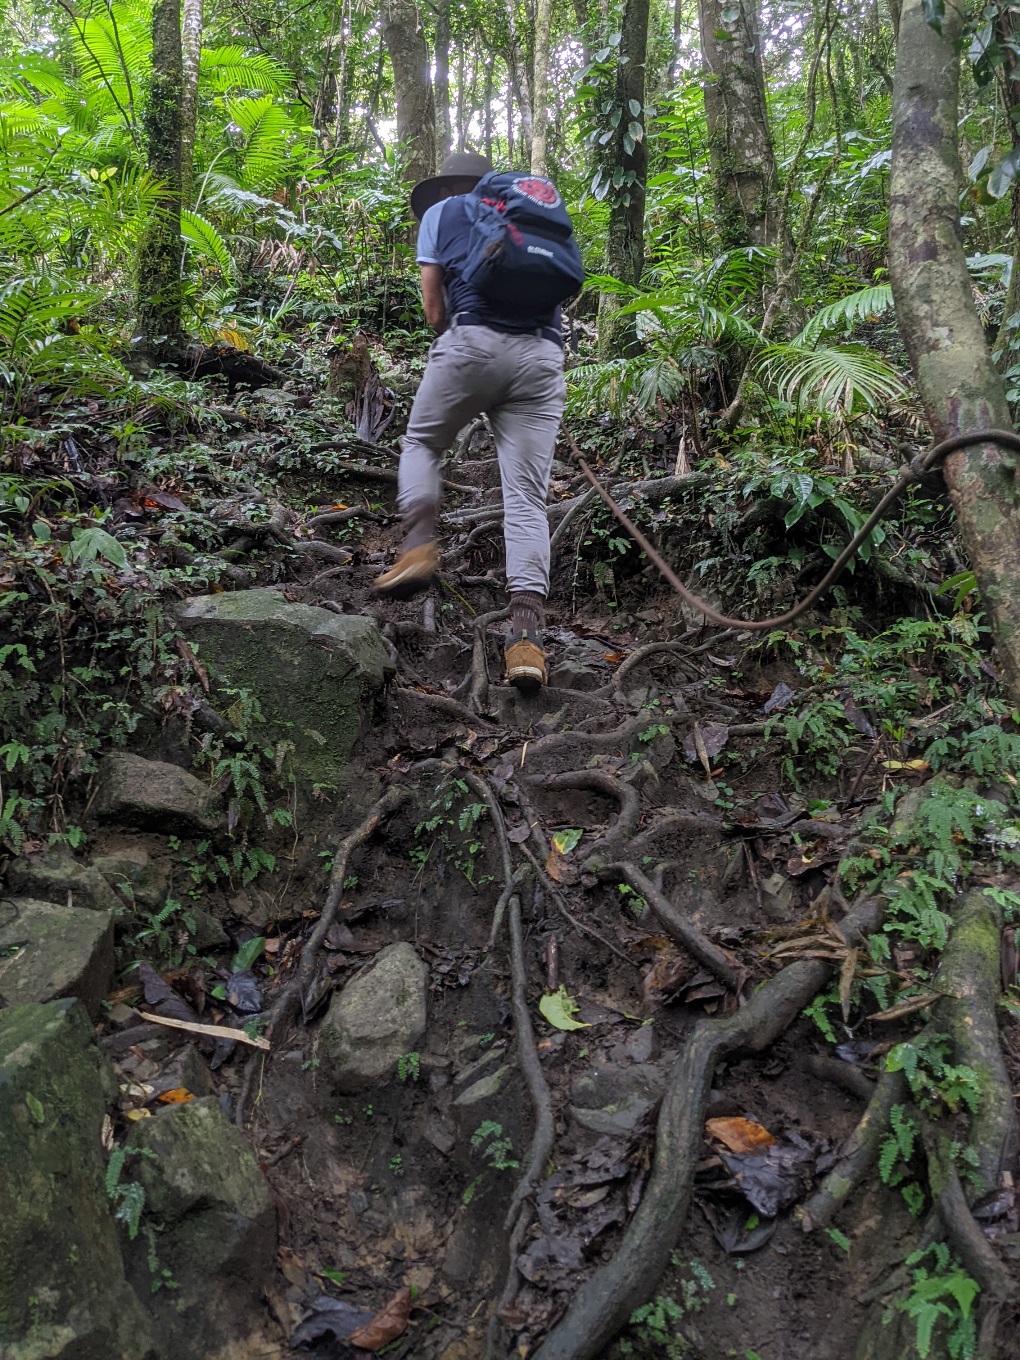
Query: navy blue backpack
{"points": [[522, 255]]}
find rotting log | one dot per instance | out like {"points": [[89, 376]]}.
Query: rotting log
{"points": [[606, 1300], [957, 381]]}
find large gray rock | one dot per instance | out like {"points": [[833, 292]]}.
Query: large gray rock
{"points": [[151, 793], [218, 1228], [134, 874], [54, 873], [62, 1286], [378, 1017], [49, 951], [310, 670]]}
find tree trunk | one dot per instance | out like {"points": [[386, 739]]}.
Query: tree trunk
{"points": [[626, 162], [191, 48], [159, 291], [519, 78], [412, 81], [958, 383], [441, 81], [740, 144], [540, 114]]}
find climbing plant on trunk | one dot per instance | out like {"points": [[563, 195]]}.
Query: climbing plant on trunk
{"points": [[959, 385]]}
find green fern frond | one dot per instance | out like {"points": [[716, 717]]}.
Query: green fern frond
{"points": [[268, 130], [829, 377], [202, 236], [865, 302]]}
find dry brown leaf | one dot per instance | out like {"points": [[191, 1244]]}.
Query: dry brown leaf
{"points": [[180, 1095], [846, 981], [554, 865], [739, 1135], [916, 1003], [389, 1323]]}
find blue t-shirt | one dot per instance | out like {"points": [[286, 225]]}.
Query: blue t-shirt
{"points": [[443, 239]]}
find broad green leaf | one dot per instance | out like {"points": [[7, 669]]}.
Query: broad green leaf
{"points": [[559, 1008], [248, 953], [565, 841]]}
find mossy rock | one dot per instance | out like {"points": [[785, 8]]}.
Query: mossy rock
{"points": [[312, 672], [376, 1019], [54, 872], [48, 951], [62, 1285]]}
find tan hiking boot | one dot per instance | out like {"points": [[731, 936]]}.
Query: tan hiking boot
{"points": [[413, 571], [525, 664]]}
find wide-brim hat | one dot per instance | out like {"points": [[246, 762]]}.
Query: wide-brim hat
{"points": [[460, 165]]}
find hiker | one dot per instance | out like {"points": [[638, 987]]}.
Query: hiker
{"points": [[497, 256]]}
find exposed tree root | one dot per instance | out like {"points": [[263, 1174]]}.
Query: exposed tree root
{"points": [[607, 1299], [478, 692], [625, 794], [969, 973], [858, 1154], [840, 1073], [679, 927], [295, 989], [672, 821], [573, 921], [616, 739]]}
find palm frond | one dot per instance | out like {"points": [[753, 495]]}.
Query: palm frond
{"points": [[224, 69], [624, 386], [865, 302], [829, 377]]}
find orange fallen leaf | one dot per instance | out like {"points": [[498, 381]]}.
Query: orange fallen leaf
{"points": [[389, 1323], [613, 657], [739, 1135], [180, 1095]]}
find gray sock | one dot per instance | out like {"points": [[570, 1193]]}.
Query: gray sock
{"points": [[527, 612], [419, 523]]}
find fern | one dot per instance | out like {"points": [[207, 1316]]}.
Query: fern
{"points": [[203, 237], [224, 69], [267, 130]]}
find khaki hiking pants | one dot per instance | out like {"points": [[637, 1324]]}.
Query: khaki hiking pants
{"points": [[518, 381]]}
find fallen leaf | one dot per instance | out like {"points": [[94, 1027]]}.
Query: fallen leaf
{"points": [[739, 1135], [846, 980], [559, 1008], [389, 1323], [918, 765], [329, 1317], [780, 697], [180, 1095], [704, 743], [517, 835], [567, 840]]}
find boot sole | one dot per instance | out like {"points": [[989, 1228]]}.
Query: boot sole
{"points": [[403, 588], [526, 680]]}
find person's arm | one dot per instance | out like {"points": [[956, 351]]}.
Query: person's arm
{"points": [[433, 296]]}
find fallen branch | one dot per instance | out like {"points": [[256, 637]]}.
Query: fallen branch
{"points": [[606, 1300], [214, 1031]]}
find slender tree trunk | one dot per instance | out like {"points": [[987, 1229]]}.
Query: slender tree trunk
{"points": [[626, 163], [441, 81], [740, 143], [409, 57], [958, 383], [191, 48], [540, 114], [159, 291], [519, 78]]}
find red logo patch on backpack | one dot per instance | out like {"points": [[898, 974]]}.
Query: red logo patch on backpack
{"points": [[538, 191]]}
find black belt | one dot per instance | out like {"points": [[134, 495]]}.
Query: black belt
{"points": [[546, 332]]}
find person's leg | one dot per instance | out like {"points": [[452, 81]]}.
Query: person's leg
{"points": [[454, 389], [525, 426]]}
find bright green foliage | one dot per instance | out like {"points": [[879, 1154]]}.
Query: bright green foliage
{"points": [[943, 1295]]}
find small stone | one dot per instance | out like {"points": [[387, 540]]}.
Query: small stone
{"points": [[152, 793], [208, 933], [484, 1089], [613, 1119], [54, 873], [377, 1018], [49, 951]]}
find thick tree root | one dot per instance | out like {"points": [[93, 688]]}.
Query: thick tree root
{"points": [[605, 1302], [969, 973], [858, 1154], [680, 928]]}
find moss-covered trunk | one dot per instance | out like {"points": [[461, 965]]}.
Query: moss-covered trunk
{"points": [[958, 383], [540, 113], [740, 144], [191, 53], [412, 80], [159, 287]]}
